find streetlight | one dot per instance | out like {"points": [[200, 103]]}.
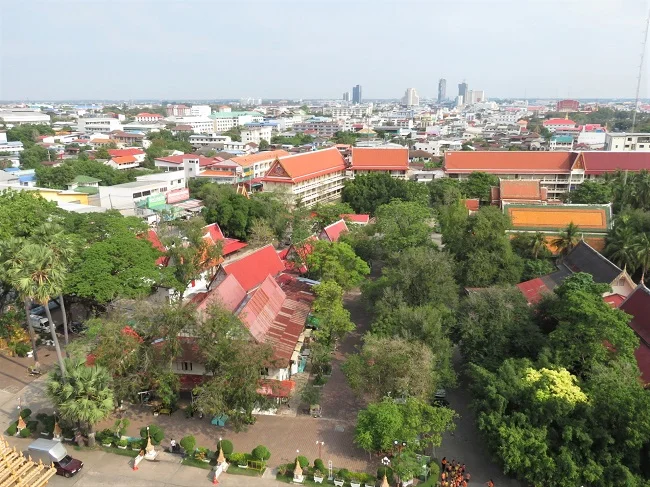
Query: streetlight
{"points": [[320, 446], [400, 445]]}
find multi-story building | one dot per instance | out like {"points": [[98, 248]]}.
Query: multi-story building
{"points": [[568, 106], [321, 127], [256, 132], [442, 90], [346, 96], [127, 138], [463, 88], [356, 94], [353, 111], [200, 110], [256, 165], [553, 124], [593, 139], [199, 125], [411, 98], [308, 178], [124, 197], [620, 141], [561, 142], [19, 116], [103, 125], [145, 117], [178, 111], [206, 140], [223, 121], [374, 160]]}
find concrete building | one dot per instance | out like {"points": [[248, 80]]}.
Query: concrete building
{"points": [[567, 106], [200, 111], [256, 165], [353, 111], [561, 142], [178, 111], [620, 141], [223, 121], [20, 116], [124, 197], [555, 124], [346, 96], [356, 94], [592, 139], [463, 88], [442, 90], [321, 127], [146, 117], [308, 178], [411, 98], [199, 125], [256, 132], [206, 140], [102, 125]]}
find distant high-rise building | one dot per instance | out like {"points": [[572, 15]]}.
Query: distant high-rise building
{"points": [[346, 96], [462, 90], [442, 90], [410, 98], [356, 94]]}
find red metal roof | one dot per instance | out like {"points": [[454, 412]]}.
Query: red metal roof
{"points": [[125, 152], [472, 204], [361, 219], [380, 159], [252, 269], [558, 121], [152, 237], [215, 234], [123, 160], [308, 165], [533, 290], [260, 310], [276, 388], [228, 293], [509, 162], [637, 304], [601, 162], [614, 300], [334, 230]]}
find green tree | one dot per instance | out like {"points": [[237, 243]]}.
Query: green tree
{"points": [[591, 193], [620, 247], [478, 185], [102, 153], [264, 145], [261, 234], [536, 268], [445, 191], [567, 239], [22, 211], [326, 214], [367, 193], [349, 138], [336, 261], [234, 133], [641, 250], [402, 225], [52, 177], [333, 319]]}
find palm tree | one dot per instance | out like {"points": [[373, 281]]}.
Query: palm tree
{"points": [[641, 247], [36, 274], [81, 394], [567, 239], [642, 189], [9, 255], [52, 236], [620, 248], [538, 244]]}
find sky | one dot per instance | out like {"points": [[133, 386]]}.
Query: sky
{"points": [[191, 49]]}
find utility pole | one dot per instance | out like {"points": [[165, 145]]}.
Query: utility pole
{"points": [[638, 80]]}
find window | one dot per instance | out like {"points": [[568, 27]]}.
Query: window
{"points": [[186, 366]]}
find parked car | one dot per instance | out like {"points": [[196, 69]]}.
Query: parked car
{"points": [[51, 451]]}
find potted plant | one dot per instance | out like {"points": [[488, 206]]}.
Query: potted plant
{"points": [[239, 459], [106, 437], [68, 434], [135, 444], [318, 476], [122, 444], [356, 479], [341, 476], [120, 427], [368, 480]]}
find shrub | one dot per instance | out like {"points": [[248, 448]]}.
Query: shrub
{"points": [[260, 452], [25, 413], [344, 474], [33, 426], [122, 443], [381, 471], [25, 433], [155, 432], [202, 453], [226, 447], [13, 429], [188, 443], [319, 465], [47, 421], [105, 436], [238, 458], [304, 463], [21, 349], [136, 444], [434, 470], [120, 427]]}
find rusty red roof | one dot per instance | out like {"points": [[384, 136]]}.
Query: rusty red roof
{"points": [[533, 290], [252, 269], [601, 162], [380, 159]]}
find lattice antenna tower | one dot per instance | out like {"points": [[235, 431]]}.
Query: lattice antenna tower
{"points": [[638, 80]]}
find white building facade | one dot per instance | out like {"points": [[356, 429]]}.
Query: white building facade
{"points": [[102, 125]]}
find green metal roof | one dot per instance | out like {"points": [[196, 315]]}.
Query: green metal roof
{"points": [[563, 139], [81, 179], [87, 189]]}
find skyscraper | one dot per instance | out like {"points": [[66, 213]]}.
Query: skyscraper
{"points": [[411, 98], [442, 90], [356, 94], [462, 90], [346, 96]]}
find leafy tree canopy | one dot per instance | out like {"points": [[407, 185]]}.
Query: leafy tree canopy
{"points": [[336, 261]]}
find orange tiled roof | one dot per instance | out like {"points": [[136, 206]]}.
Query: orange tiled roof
{"points": [[588, 218], [249, 160], [300, 167], [123, 160], [380, 159], [511, 189], [509, 162]]}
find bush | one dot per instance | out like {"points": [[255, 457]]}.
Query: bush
{"points": [[262, 453], [48, 422], [155, 432], [381, 471], [434, 470], [202, 453], [319, 465], [25, 433], [343, 474], [304, 463], [21, 349], [238, 458], [25, 413], [226, 447], [13, 429], [188, 443], [136, 444], [122, 443], [105, 436]]}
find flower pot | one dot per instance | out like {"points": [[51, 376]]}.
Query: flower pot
{"points": [[368, 485], [339, 483], [70, 440], [45, 433], [242, 466], [107, 445], [121, 447], [355, 484], [319, 480]]}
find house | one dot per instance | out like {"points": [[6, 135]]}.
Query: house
{"points": [[228, 294], [526, 191], [229, 245], [137, 154], [637, 304], [356, 219], [252, 269], [561, 142], [123, 162], [98, 142], [309, 178], [333, 231], [374, 160], [127, 138], [557, 171], [553, 124], [85, 184], [582, 258], [145, 117]]}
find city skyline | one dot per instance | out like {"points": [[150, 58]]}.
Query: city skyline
{"points": [[161, 49]]}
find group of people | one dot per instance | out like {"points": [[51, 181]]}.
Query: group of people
{"points": [[454, 474]]}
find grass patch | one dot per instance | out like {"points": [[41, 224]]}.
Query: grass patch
{"points": [[307, 481], [119, 451], [193, 462], [250, 472]]}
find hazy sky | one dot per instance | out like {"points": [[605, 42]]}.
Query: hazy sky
{"points": [[189, 49]]}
